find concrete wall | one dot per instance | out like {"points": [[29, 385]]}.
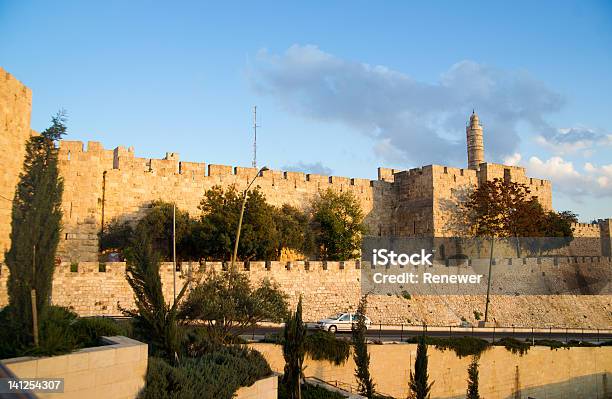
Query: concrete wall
{"points": [[266, 388], [114, 371], [572, 292], [541, 373]]}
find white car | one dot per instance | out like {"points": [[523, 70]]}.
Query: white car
{"points": [[340, 322]]}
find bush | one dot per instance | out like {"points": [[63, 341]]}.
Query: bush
{"points": [[323, 345], [214, 375], [61, 331], [463, 346], [309, 392], [514, 345], [56, 332], [89, 330]]}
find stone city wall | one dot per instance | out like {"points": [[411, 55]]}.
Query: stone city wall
{"points": [[102, 185], [15, 107], [572, 292]]}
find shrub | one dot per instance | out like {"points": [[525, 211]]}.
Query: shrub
{"points": [[477, 315], [214, 375], [323, 345], [514, 345], [56, 332], [406, 295], [88, 330], [463, 346], [309, 392], [229, 305]]}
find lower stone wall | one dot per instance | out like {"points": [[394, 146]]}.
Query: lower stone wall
{"points": [[114, 371], [540, 373], [566, 292]]}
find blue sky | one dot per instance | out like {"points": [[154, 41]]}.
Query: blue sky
{"points": [[341, 87]]}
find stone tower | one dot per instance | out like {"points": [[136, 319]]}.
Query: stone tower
{"points": [[475, 146]]}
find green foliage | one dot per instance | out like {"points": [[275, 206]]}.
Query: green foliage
{"points": [[265, 230], [74, 267], [477, 315], [57, 335], [157, 225], [472, 389], [155, 321], [294, 350], [35, 229], [294, 232], [514, 345], [360, 353], [462, 346], [116, 236], [338, 225], [220, 214], [323, 345], [61, 331], [228, 305], [309, 392], [406, 295], [88, 330], [215, 375], [419, 384], [551, 343]]}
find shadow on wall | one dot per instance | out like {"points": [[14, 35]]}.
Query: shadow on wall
{"points": [[591, 386]]}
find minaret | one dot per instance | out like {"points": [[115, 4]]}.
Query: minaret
{"points": [[475, 146]]}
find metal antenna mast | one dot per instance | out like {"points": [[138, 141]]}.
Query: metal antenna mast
{"points": [[255, 126]]}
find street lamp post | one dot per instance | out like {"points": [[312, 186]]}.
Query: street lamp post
{"points": [[244, 199]]}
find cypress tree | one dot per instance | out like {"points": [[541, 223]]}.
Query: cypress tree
{"points": [[35, 228], [419, 385], [360, 354], [472, 390], [293, 352]]}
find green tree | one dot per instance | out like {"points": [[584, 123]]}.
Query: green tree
{"points": [[294, 350], [220, 213], [419, 385], [294, 232], [228, 305], [360, 354], [154, 319], [116, 236], [472, 389], [158, 226], [338, 225], [35, 228]]}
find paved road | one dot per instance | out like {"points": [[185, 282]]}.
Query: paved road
{"points": [[386, 334]]}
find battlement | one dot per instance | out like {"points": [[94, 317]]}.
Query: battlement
{"points": [[124, 159]]}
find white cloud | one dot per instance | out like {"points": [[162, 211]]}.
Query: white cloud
{"points": [[590, 181], [577, 139], [315, 168], [513, 159], [423, 122]]}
